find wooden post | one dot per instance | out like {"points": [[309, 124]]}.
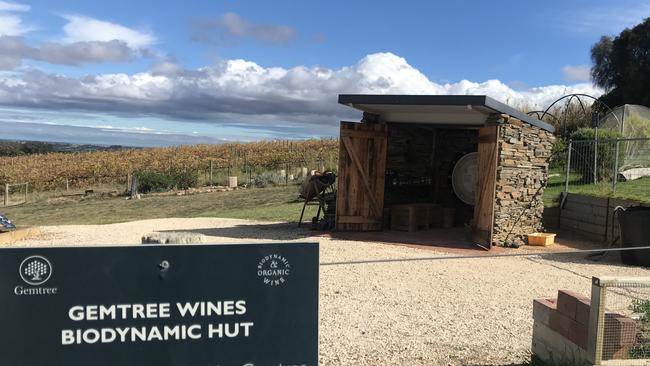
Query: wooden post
{"points": [[67, 185], [6, 194], [128, 182], [134, 186], [26, 191], [211, 184]]}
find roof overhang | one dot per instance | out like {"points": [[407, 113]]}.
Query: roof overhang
{"points": [[462, 110]]}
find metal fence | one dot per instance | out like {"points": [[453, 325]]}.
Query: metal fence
{"points": [[207, 176], [620, 324], [607, 166], [14, 194]]}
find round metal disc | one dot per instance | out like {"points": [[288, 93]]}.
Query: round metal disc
{"points": [[463, 178]]}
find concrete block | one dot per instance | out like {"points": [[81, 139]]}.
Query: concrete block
{"points": [[619, 329], [560, 323], [553, 349], [582, 311], [542, 310], [567, 302], [578, 334]]}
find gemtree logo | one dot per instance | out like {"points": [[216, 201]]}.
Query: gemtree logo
{"points": [[35, 270]]}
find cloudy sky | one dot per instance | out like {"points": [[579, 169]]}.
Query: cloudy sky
{"points": [[150, 73]]}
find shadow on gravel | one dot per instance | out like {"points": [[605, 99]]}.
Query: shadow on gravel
{"points": [[278, 231]]}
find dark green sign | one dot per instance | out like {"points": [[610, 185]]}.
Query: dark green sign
{"points": [[191, 305]]}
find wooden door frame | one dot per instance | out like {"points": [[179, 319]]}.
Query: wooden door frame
{"points": [[375, 193], [486, 175]]}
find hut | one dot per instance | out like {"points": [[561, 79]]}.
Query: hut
{"points": [[421, 161]]}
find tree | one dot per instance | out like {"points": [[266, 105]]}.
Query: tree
{"points": [[10, 148], [621, 66], [37, 147]]}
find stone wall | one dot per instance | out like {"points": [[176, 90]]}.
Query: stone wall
{"points": [[522, 173]]}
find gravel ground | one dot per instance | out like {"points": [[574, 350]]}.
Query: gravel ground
{"points": [[447, 311]]}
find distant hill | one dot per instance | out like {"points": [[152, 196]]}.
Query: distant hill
{"points": [[17, 148]]}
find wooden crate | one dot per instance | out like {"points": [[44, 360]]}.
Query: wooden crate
{"points": [[415, 216]]}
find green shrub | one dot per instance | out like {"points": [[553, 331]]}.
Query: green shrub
{"points": [[558, 154], [183, 179], [149, 181], [267, 179], [582, 154]]}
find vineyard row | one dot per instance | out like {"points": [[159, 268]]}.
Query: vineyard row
{"points": [[49, 171]]}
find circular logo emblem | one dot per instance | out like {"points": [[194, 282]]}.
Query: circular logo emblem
{"points": [[273, 269], [35, 270]]}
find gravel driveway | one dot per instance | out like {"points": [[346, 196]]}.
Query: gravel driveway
{"points": [[447, 311]]}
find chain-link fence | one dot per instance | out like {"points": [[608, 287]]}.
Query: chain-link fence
{"points": [[621, 321], [604, 167]]}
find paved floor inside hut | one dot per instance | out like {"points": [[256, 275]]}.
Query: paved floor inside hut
{"points": [[406, 311]]}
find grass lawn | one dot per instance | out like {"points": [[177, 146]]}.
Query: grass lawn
{"points": [[637, 190], [272, 203]]}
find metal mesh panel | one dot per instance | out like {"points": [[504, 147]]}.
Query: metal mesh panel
{"points": [[14, 194], [605, 167], [626, 323]]}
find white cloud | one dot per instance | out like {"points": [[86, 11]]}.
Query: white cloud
{"points": [[300, 100], [231, 26], [12, 24], [86, 29], [576, 72], [10, 6], [14, 49]]}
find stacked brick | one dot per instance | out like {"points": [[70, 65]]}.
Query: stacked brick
{"points": [[568, 317], [522, 173]]}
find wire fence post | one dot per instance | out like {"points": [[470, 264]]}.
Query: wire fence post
{"points": [[596, 156], [596, 319], [6, 194], [568, 167], [26, 191], [211, 184], [615, 170]]}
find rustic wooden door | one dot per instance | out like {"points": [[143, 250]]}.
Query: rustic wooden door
{"points": [[488, 151], [362, 167]]}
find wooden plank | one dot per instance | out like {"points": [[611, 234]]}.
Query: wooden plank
{"points": [[359, 220], [583, 206], [362, 134], [362, 159], [347, 142], [596, 201], [585, 217], [485, 185], [596, 231]]}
